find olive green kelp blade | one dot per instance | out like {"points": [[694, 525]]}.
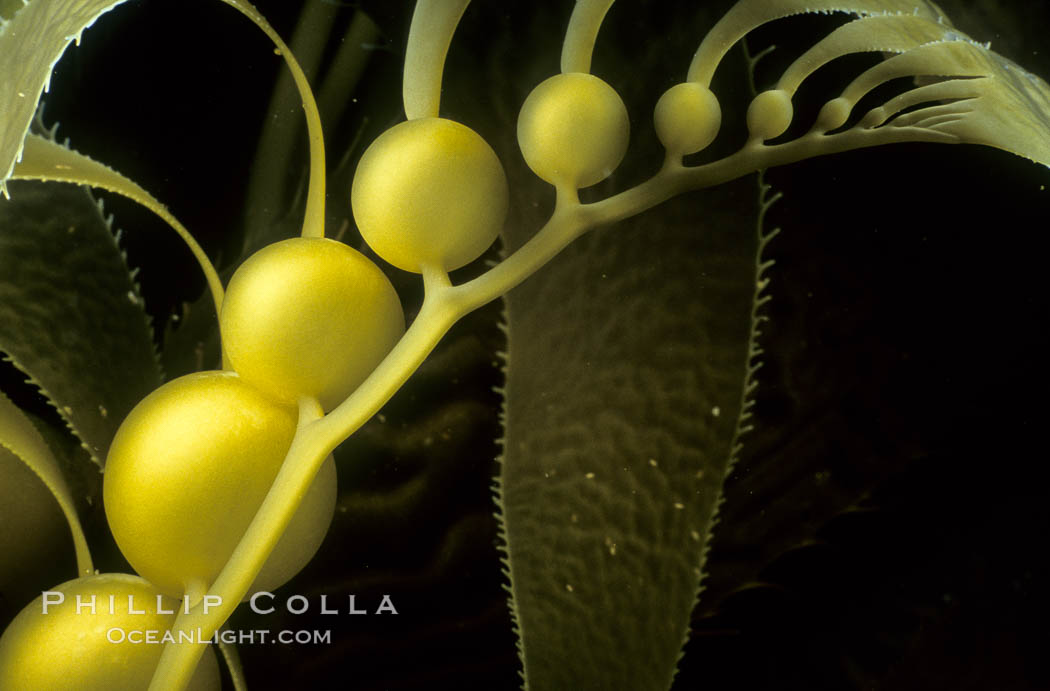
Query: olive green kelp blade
{"points": [[33, 39], [31, 42], [625, 374], [626, 369], [20, 441], [70, 314], [1009, 107], [969, 91]]}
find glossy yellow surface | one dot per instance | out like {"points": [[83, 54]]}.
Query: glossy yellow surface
{"points": [[573, 130], [769, 114], [309, 317], [429, 192], [687, 118], [187, 472], [67, 650]]}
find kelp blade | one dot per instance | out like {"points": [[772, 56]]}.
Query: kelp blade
{"points": [[70, 314], [34, 39], [626, 366], [22, 440], [1012, 112]]}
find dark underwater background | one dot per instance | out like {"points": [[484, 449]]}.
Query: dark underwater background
{"points": [[886, 525]]}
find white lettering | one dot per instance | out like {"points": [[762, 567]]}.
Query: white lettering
{"points": [[353, 607], [52, 597], [81, 605], [160, 606], [306, 604], [213, 601], [131, 606], [387, 605], [252, 603]]}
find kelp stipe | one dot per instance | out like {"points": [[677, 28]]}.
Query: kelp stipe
{"points": [[771, 114]]}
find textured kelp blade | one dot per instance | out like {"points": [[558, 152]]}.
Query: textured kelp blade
{"points": [[20, 438], [9, 7], [34, 40], [1012, 112], [30, 45], [46, 160], [626, 365], [894, 33], [184, 348], [1013, 109], [70, 316], [1008, 107], [747, 15]]}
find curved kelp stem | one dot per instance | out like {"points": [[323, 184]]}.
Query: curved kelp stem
{"points": [[21, 438], [317, 435], [433, 23], [43, 159], [582, 33], [280, 136], [233, 664], [313, 219]]}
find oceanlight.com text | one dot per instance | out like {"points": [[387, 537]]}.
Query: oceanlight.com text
{"points": [[194, 636]]}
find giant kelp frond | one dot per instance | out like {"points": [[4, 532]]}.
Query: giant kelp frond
{"points": [[747, 15], [604, 512], [1009, 108]]}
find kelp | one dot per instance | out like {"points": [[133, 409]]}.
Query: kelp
{"points": [[71, 316], [21, 439], [597, 529], [607, 493]]}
